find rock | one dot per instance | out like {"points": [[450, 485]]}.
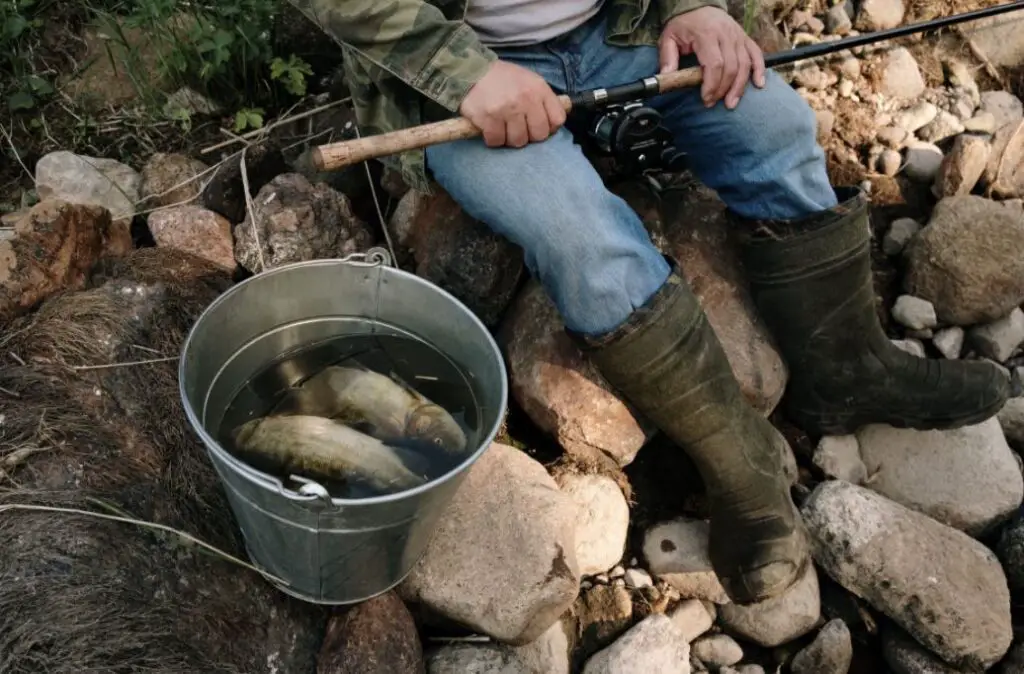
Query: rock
{"points": [[940, 585], [196, 230], [700, 238], [922, 161], [298, 221], [53, 249], [965, 478], [968, 261], [837, 21], [959, 76], [1004, 106], [548, 653], [945, 125], [900, 232], [846, 88], [982, 122], [404, 215], [838, 457], [1010, 550], [950, 341], [849, 67], [82, 179], [912, 346], [638, 579], [917, 116], [742, 669], [191, 101], [999, 339], [894, 137], [692, 617], [677, 553], [811, 77], [462, 255], [1013, 663], [779, 620], [889, 162], [906, 656], [831, 652], [1011, 419], [963, 167], [654, 644], [914, 313], [225, 193], [474, 659], [998, 38], [717, 650], [602, 523], [171, 179], [562, 391], [508, 508], [879, 15], [376, 635], [604, 613], [1004, 173], [901, 76]]}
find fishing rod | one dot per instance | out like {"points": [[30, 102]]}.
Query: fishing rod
{"points": [[631, 131]]}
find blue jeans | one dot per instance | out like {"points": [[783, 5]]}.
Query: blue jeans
{"points": [[585, 245]]}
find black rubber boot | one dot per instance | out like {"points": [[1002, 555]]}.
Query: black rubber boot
{"points": [[811, 282], [668, 362]]}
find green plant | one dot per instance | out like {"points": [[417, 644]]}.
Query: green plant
{"points": [[23, 89]]}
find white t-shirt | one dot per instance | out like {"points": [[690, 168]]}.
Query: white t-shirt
{"points": [[507, 23]]}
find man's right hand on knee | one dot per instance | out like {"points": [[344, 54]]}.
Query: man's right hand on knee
{"points": [[513, 106]]}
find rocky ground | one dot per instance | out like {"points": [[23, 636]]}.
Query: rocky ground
{"points": [[578, 542]]}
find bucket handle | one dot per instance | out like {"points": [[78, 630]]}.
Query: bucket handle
{"points": [[312, 494], [371, 258]]}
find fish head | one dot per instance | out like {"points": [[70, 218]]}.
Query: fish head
{"points": [[432, 423]]}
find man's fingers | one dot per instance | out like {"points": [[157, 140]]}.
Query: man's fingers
{"points": [[556, 113], [730, 66], [537, 124], [516, 131], [709, 55], [668, 55], [757, 63], [494, 132], [732, 98]]}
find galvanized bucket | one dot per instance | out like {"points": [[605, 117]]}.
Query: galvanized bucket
{"points": [[322, 549]]}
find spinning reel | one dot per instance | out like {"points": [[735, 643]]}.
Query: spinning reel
{"points": [[632, 134]]}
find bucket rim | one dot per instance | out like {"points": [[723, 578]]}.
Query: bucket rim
{"points": [[250, 472]]}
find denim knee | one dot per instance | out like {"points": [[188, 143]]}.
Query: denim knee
{"points": [[585, 245]]}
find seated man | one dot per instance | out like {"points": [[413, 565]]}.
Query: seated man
{"points": [[748, 136]]}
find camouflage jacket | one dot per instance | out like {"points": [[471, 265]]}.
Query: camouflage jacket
{"points": [[408, 62]]}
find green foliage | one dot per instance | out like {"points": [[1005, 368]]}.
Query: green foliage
{"points": [[21, 87]]}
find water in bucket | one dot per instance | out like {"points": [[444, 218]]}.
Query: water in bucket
{"points": [[407, 361]]}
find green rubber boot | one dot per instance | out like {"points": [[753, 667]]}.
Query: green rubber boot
{"points": [[668, 362], [811, 282]]}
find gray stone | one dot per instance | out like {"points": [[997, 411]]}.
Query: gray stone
{"points": [[879, 15], [999, 38], [914, 313], [549, 653], [1003, 105], [965, 478], [963, 167], [943, 587], [475, 659], [968, 261], [950, 341], [922, 161], [508, 508], [88, 180], [901, 75], [838, 457], [894, 137], [982, 122], [900, 232], [912, 346], [654, 644], [717, 650], [692, 617], [602, 523], [779, 620], [1011, 419], [1000, 338], [677, 553], [945, 125], [1010, 550], [906, 656], [837, 21], [889, 162], [637, 579], [831, 652], [917, 116]]}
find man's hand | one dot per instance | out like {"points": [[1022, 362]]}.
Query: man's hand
{"points": [[513, 106], [724, 51]]}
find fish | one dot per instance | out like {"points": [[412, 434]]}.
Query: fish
{"points": [[315, 445], [375, 404]]}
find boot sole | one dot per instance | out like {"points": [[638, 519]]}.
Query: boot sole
{"points": [[847, 423]]}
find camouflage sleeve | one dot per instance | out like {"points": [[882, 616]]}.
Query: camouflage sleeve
{"points": [[671, 8], [410, 39]]}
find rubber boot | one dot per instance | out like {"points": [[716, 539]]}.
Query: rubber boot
{"points": [[812, 285], [667, 361]]}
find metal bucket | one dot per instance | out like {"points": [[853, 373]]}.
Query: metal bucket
{"points": [[330, 550]]}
